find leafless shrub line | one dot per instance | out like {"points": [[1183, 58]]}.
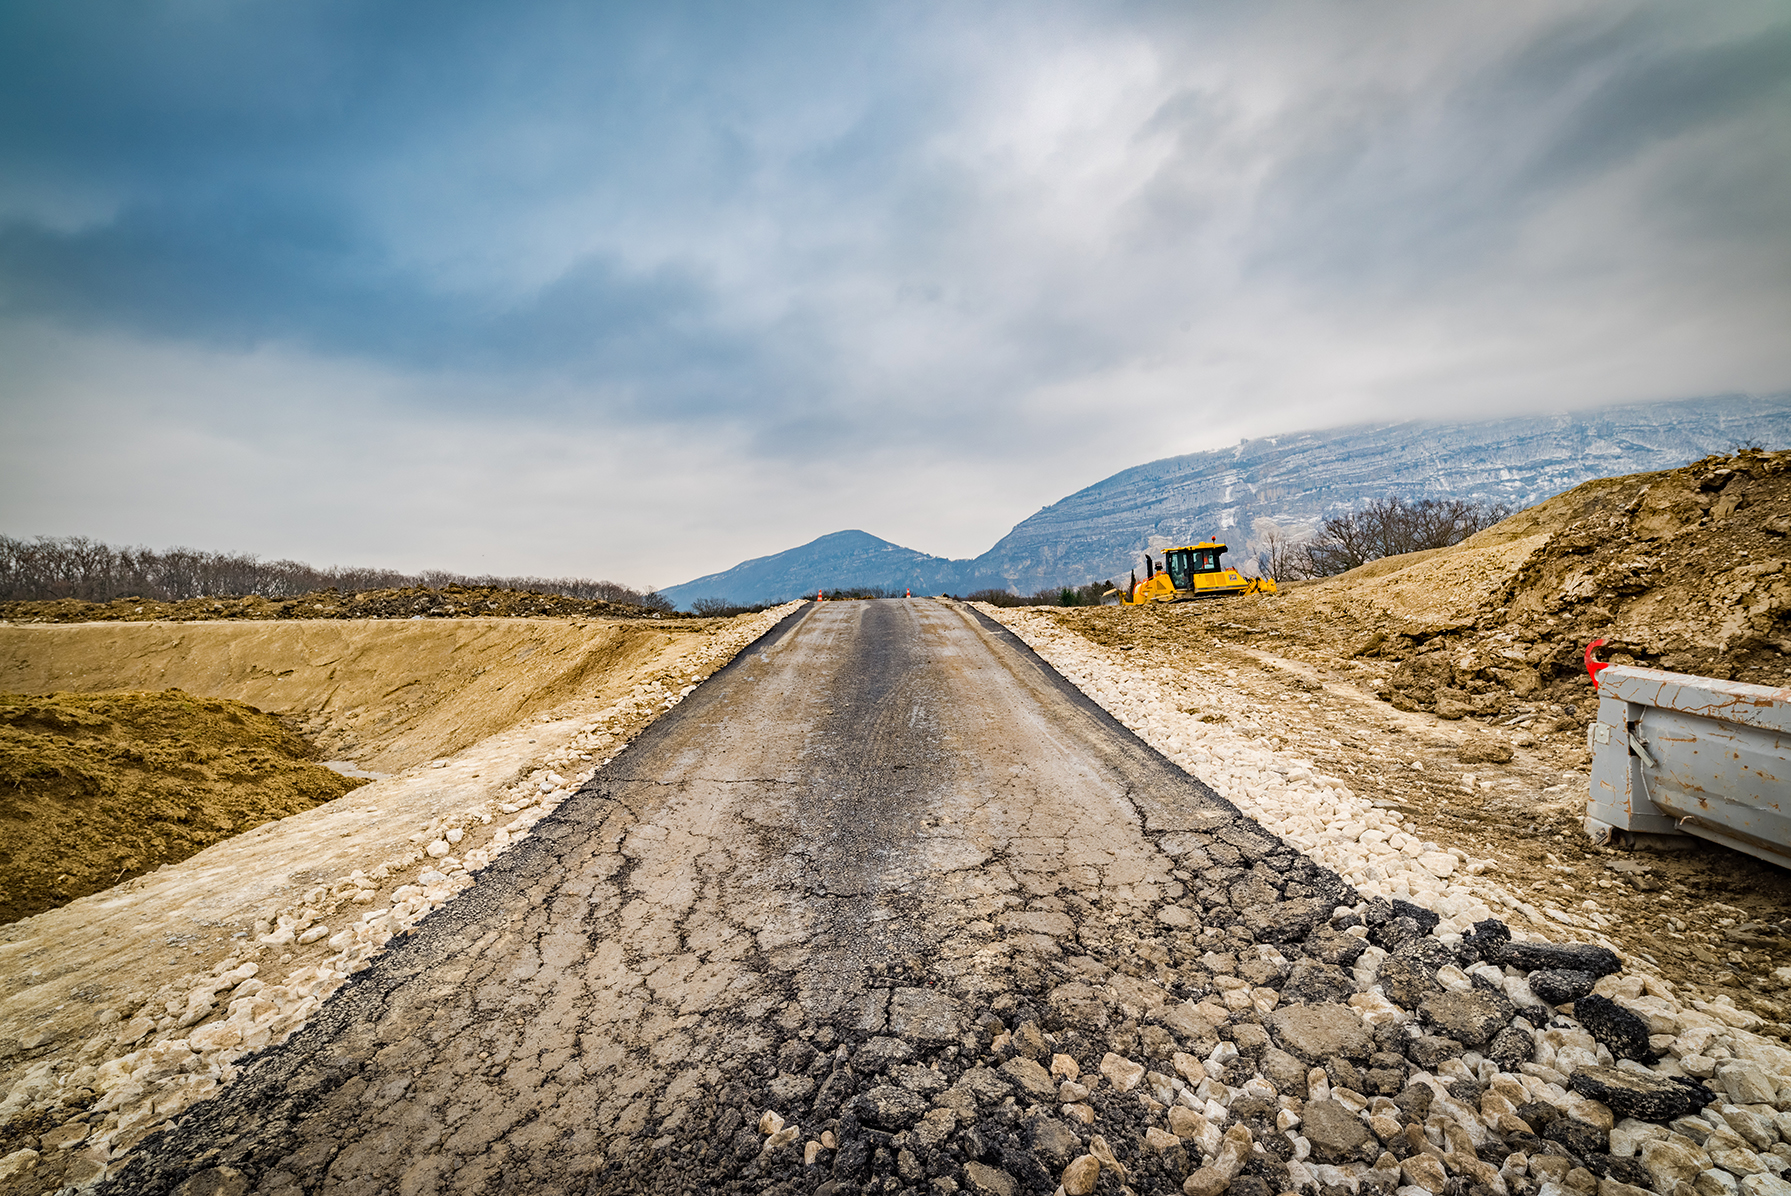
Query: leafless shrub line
{"points": [[51, 567], [1385, 527]]}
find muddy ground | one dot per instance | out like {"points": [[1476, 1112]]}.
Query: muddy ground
{"points": [[98, 788]]}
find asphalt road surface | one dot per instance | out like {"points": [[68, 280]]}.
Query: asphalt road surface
{"points": [[874, 877]]}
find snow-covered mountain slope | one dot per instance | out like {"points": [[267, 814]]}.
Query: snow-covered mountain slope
{"points": [[1101, 532]]}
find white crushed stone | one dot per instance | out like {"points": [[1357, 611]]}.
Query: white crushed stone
{"points": [[1373, 848]]}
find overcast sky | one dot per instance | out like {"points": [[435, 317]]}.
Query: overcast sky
{"points": [[638, 291]]}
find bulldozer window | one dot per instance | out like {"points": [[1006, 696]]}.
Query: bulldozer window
{"points": [[1176, 563], [1206, 560]]}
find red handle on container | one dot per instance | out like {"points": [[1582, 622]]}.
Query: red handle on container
{"points": [[1593, 666]]}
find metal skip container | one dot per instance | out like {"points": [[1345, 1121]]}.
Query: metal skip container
{"points": [[1677, 754]]}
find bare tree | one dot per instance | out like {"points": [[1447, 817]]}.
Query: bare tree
{"points": [[1393, 526], [721, 608], [1280, 552]]}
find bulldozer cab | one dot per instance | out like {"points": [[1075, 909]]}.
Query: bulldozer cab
{"points": [[1183, 563]]}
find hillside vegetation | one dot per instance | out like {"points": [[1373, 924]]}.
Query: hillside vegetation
{"points": [[410, 602], [50, 567]]}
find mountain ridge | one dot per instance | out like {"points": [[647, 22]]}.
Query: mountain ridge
{"points": [[1101, 531], [837, 559]]}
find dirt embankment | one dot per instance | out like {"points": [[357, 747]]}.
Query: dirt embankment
{"points": [[412, 602], [96, 788], [147, 743], [384, 695], [1686, 570]]}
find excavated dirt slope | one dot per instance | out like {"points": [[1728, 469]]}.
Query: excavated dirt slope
{"points": [[95, 788], [381, 694], [1683, 570]]}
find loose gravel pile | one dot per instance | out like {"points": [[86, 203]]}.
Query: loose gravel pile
{"points": [[1250, 1046], [1266, 1031]]}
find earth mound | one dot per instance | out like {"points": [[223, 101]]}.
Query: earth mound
{"points": [[414, 602], [1684, 570], [386, 694], [97, 788], [1687, 570]]}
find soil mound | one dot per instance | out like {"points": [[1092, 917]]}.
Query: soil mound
{"points": [[96, 788], [1684, 570], [1687, 570], [414, 602], [385, 694]]}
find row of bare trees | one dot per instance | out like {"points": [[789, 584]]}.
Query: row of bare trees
{"points": [[1385, 527], [1088, 595], [50, 567]]}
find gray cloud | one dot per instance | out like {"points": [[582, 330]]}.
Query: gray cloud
{"points": [[1000, 251]]}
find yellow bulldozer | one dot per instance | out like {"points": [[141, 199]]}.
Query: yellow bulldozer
{"points": [[1191, 572]]}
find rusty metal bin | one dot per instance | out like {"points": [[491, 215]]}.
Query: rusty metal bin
{"points": [[1677, 754]]}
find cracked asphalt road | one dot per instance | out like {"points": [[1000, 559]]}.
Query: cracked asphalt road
{"points": [[883, 838]]}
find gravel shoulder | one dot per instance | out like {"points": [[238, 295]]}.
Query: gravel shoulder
{"points": [[1302, 738]]}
